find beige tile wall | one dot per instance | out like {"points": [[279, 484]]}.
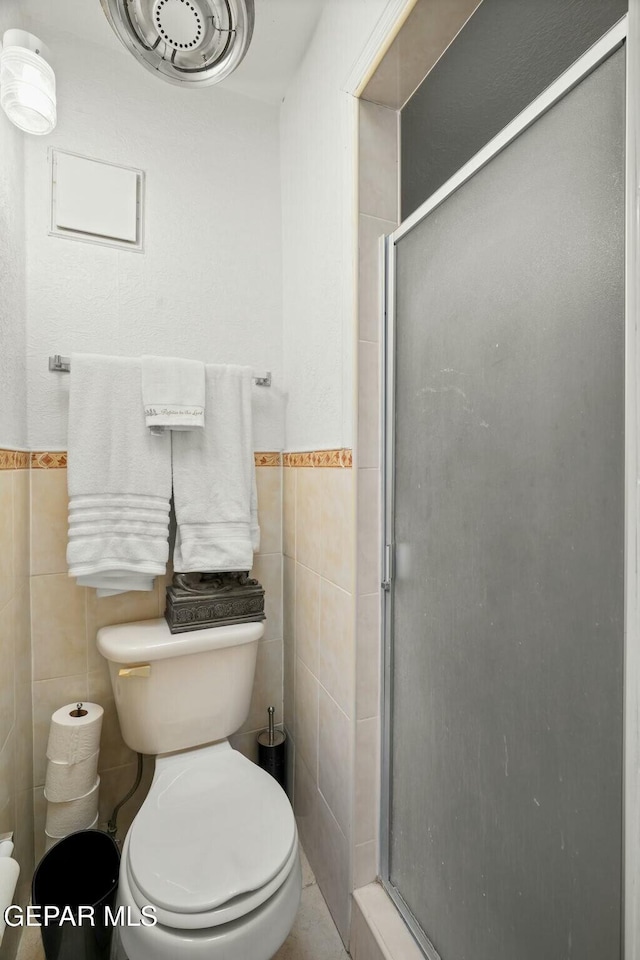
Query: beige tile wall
{"points": [[16, 783], [319, 661], [331, 587], [65, 619]]}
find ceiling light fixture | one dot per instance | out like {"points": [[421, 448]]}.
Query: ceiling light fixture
{"points": [[27, 83], [193, 43]]}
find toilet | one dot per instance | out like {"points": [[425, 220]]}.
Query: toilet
{"points": [[214, 848]]}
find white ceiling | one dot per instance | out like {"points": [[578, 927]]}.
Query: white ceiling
{"points": [[282, 34]]}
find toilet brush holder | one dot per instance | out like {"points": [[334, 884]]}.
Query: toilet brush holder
{"points": [[272, 746]]}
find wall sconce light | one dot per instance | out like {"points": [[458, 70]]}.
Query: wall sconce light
{"points": [[27, 83]]}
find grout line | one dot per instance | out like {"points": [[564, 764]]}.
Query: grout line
{"points": [[333, 699]]}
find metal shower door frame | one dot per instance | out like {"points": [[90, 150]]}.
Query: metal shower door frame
{"points": [[627, 30]]}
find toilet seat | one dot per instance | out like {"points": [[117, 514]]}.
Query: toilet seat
{"points": [[214, 839], [234, 910]]}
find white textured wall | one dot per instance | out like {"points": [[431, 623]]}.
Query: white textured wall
{"points": [[318, 153], [13, 411], [209, 282]]}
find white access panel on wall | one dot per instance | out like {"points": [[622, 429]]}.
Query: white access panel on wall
{"points": [[96, 201]]}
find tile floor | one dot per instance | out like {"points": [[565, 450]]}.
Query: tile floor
{"points": [[314, 936]]}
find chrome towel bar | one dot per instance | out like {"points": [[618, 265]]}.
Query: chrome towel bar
{"points": [[60, 364]]}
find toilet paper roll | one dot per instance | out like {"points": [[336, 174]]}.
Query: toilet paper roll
{"points": [[75, 738], [9, 873], [51, 841], [68, 781], [70, 815]]}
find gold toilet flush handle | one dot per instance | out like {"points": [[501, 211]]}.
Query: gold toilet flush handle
{"points": [[142, 671]]}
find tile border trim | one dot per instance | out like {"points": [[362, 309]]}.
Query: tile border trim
{"points": [[272, 458], [341, 458], [42, 460], [14, 459], [57, 460]]}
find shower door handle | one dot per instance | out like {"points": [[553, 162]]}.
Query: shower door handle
{"points": [[388, 567]]}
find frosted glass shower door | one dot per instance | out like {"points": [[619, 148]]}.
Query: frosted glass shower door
{"points": [[506, 610]]}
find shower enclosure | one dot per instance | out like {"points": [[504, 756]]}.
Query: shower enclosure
{"points": [[510, 576]]}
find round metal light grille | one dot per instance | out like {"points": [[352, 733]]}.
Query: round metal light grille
{"points": [[197, 42], [180, 23]]}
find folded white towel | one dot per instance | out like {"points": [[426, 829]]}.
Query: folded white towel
{"points": [[173, 393], [108, 585], [214, 480], [119, 479]]}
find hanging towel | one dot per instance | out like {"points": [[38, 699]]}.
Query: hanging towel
{"points": [[173, 393], [214, 480], [119, 479]]}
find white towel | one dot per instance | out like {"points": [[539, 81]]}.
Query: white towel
{"points": [[173, 393], [214, 480], [119, 479]]}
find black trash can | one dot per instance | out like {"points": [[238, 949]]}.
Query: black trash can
{"points": [[80, 871]]}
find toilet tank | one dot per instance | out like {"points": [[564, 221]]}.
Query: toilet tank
{"points": [[175, 691]]}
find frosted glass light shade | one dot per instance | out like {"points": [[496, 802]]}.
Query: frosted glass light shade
{"points": [[27, 83]]}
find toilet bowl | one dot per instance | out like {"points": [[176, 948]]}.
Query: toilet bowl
{"points": [[254, 937], [212, 855], [214, 851]]}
